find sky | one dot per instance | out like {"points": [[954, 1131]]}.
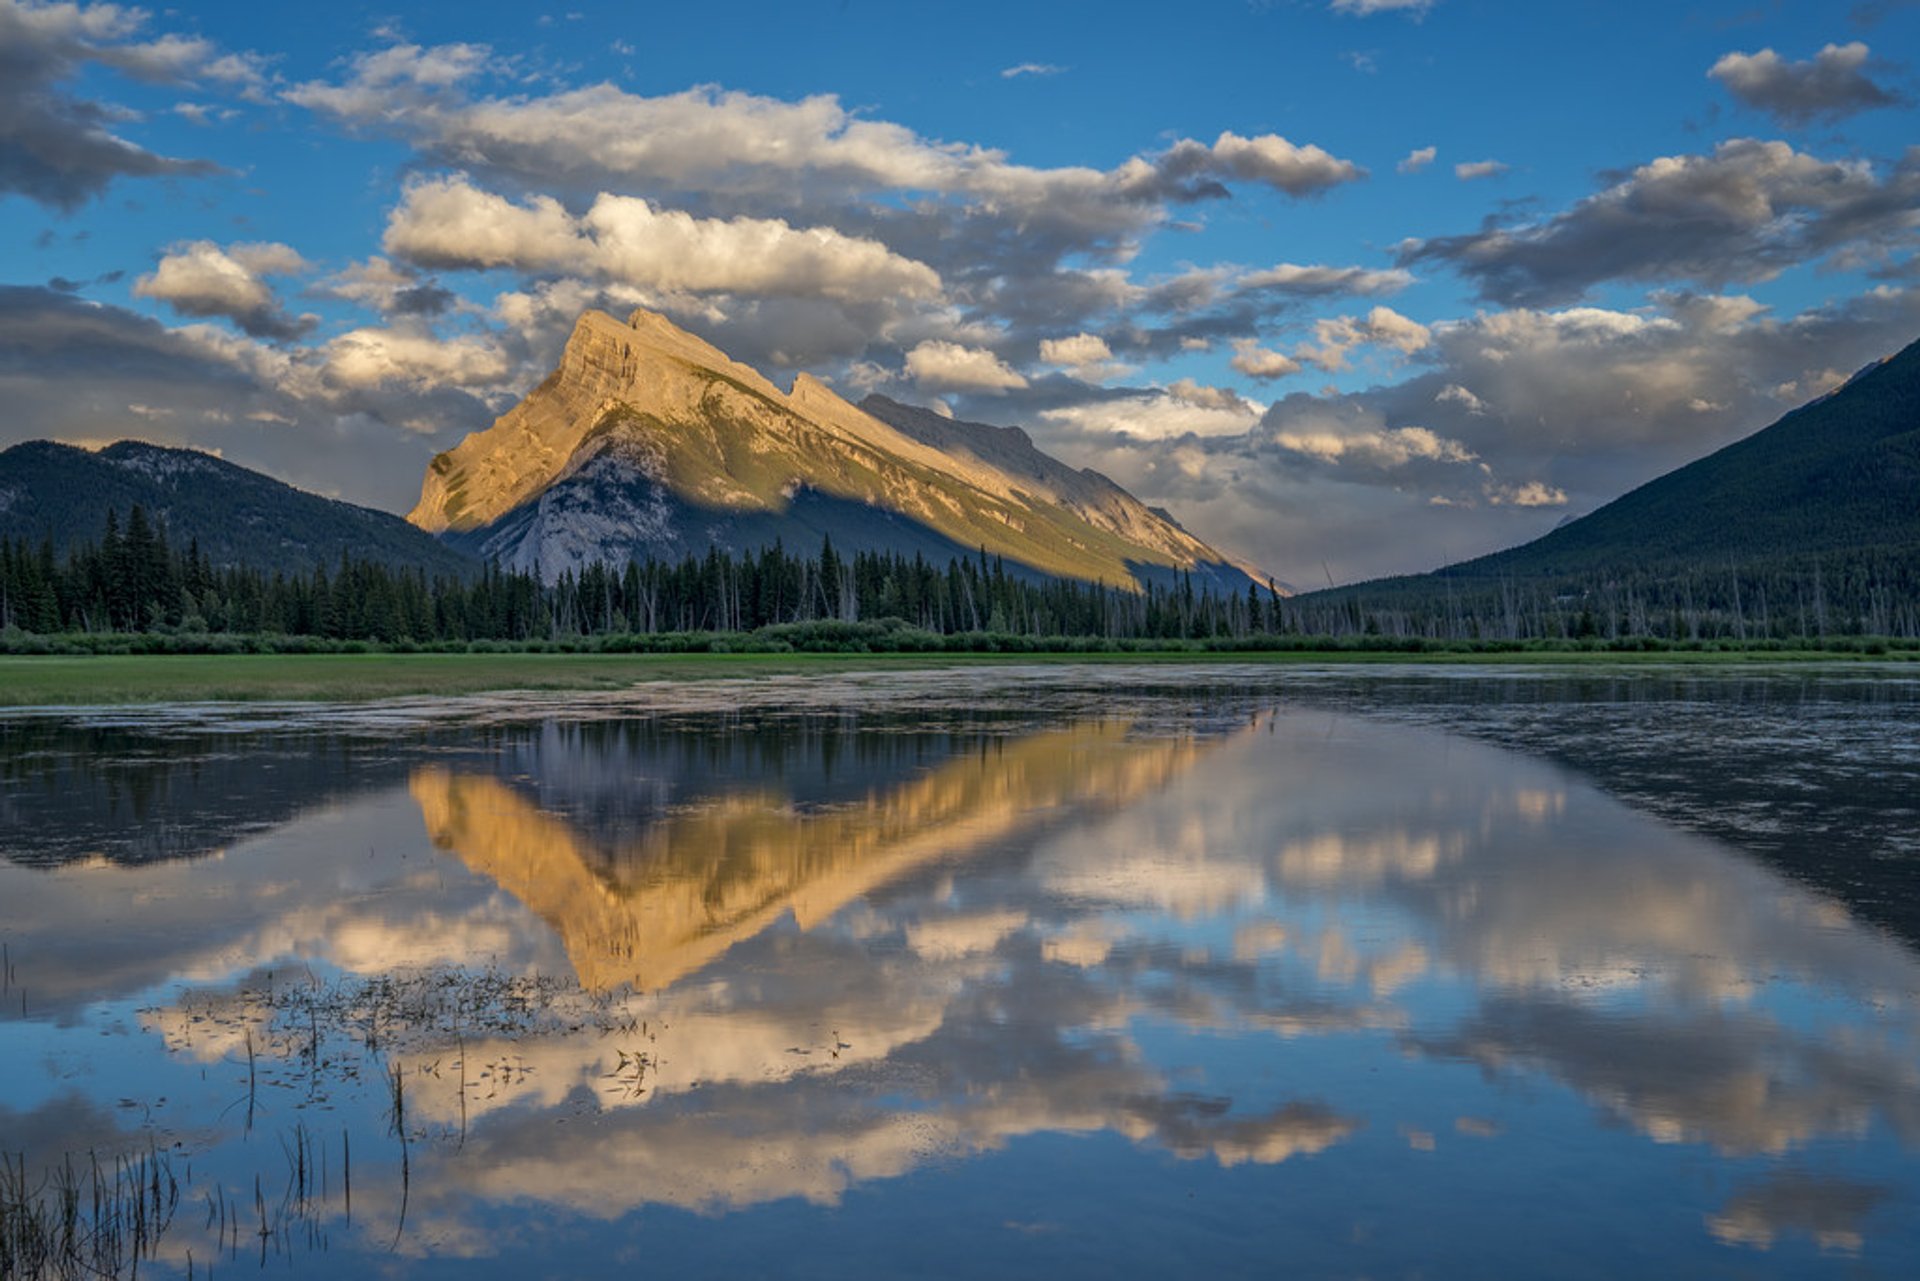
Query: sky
{"points": [[1353, 287]]}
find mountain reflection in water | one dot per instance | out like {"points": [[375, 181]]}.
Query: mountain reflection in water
{"points": [[1115, 994], [662, 902]]}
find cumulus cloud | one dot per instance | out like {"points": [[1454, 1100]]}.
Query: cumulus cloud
{"points": [[1080, 349], [379, 76], [1085, 356], [1470, 170], [1388, 447], [1747, 212], [1337, 336], [1455, 394], [1255, 361], [1157, 415], [1531, 494], [364, 358], [450, 223], [1830, 86], [388, 288], [1191, 170], [60, 149], [940, 365], [1189, 392], [1040, 250], [738, 150], [199, 278], [1417, 159]]}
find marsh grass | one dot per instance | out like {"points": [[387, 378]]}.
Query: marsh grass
{"points": [[85, 1219], [89, 1216]]}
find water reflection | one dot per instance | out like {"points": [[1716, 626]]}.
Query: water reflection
{"points": [[659, 902], [1292, 963]]}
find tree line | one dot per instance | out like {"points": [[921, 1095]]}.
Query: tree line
{"points": [[134, 579]]}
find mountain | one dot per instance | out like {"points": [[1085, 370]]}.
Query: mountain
{"points": [[239, 517], [647, 442], [1834, 483]]}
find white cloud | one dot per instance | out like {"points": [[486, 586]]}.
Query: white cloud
{"points": [[1038, 249], [387, 288], [1830, 86], [1031, 69], [366, 358], [745, 151], [1255, 361], [1189, 392], [1085, 356], [1366, 8], [1188, 166], [950, 366], [1710, 313], [1338, 336], [1389, 328], [1470, 170], [381, 75], [1080, 349], [199, 278], [450, 223], [1158, 416], [1320, 280], [1531, 494], [1417, 159], [1391, 447], [1455, 394]]}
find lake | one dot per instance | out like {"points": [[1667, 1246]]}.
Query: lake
{"points": [[1027, 971]]}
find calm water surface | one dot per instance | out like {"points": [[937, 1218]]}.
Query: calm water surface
{"points": [[1030, 972]]}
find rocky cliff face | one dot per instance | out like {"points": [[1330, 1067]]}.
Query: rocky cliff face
{"points": [[647, 441]]}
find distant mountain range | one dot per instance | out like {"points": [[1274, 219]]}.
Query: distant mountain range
{"points": [[238, 517], [648, 443]]}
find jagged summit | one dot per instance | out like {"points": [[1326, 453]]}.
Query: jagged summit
{"points": [[648, 441]]}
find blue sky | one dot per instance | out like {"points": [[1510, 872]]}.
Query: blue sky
{"points": [[1353, 286]]}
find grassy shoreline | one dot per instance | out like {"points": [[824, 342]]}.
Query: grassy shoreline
{"points": [[67, 680]]}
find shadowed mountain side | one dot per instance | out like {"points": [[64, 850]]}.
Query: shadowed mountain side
{"points": [[238, 517], [1840, 473], [1836, 480], [612, 510], [666, 902], [647, 441]]}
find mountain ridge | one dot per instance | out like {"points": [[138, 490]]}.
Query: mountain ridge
{"points": [[647, 441], [237, 515]]}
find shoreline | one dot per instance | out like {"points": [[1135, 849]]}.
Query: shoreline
{"points": [[104, 680]]}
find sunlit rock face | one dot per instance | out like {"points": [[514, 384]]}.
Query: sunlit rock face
{"points": [[647, 442]]}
